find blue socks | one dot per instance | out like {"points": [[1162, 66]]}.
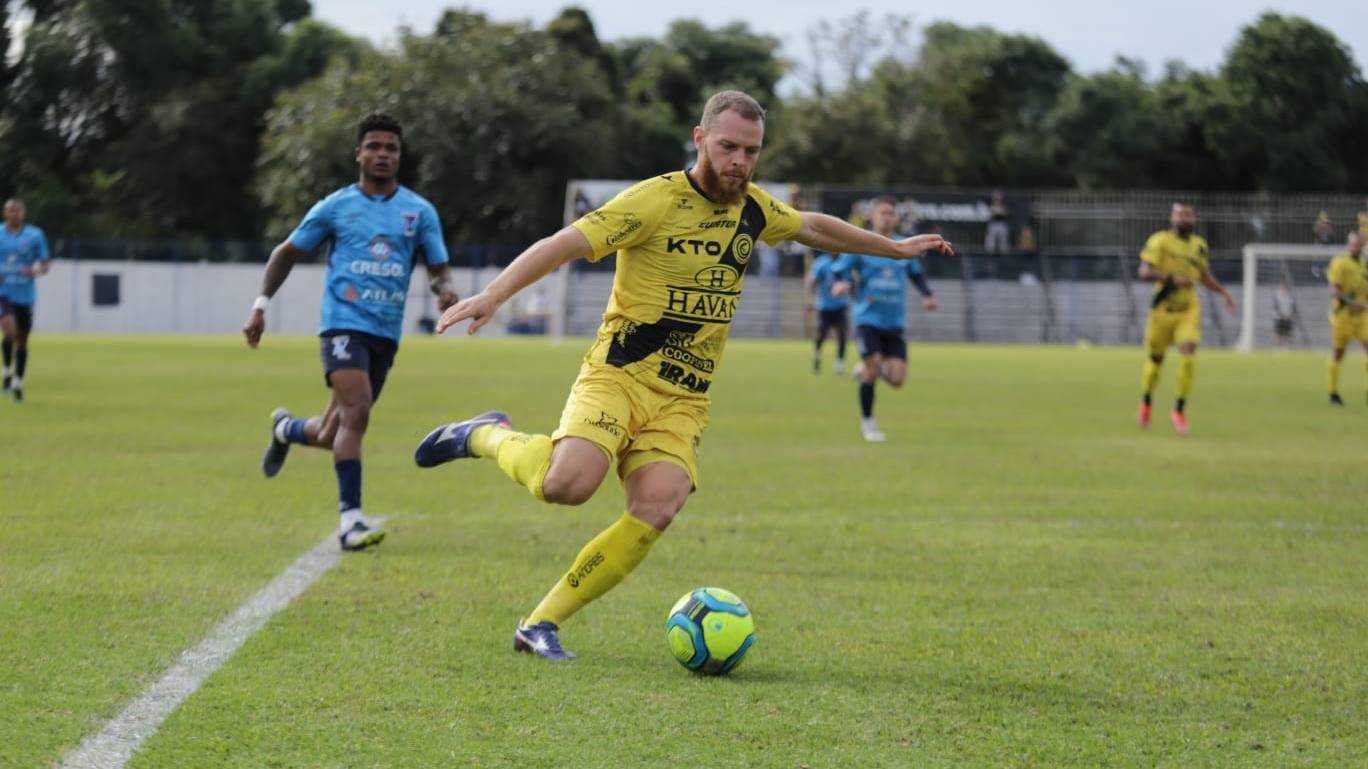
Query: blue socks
{"points": [[348, 484]]}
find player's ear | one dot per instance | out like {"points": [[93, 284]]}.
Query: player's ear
{"points": [[698, 137]]}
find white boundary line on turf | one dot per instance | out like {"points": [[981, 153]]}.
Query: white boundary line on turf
{"points": [[115, 744]]}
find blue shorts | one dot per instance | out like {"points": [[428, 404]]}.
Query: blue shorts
{"points": [[23, 314], [358, 350], [882, 341], [832, 319]]}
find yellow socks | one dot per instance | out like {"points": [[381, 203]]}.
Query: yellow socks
{"points": [[598, 568], [524, 458], [1185, 366], [1151, 377], [1334, 371]]}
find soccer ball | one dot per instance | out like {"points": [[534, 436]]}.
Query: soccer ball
{"points": [[710, 630]]}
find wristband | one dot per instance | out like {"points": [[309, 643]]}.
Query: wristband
{"points": [[260, 303]]}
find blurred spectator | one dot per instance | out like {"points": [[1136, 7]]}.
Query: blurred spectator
{"points": [[1284, 314], [531, 312], [1026, 241], [1322, 232], [1363, 219], [998, 239], [769, 260]]}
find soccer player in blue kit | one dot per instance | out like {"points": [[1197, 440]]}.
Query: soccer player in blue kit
{"points": [[23, 256], [377, 229], [832, 311], [879, 285]]}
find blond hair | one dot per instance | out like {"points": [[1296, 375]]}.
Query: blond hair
{"points": [[739, 102]]}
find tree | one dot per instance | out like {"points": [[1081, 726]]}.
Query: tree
{"points": [[143, 118], [497, 118], [1290, 108]]}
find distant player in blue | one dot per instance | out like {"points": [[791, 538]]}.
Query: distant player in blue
{"points": [[879, 286], [23, 257], [831, 310], [377, 230]]}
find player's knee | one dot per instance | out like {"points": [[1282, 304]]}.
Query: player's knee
{"points": [[658, 506], [1188, 348], [1338, 354], [1156, 359], [568, 488]]}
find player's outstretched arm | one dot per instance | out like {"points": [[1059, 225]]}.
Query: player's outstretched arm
{"points": [[1212, 283], [531, 265], [278, 268], [827, 233]]}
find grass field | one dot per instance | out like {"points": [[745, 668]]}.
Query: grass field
{"points": [[1019, 577]]}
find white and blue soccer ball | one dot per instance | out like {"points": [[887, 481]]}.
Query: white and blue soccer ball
{"points": [[710, 630]]}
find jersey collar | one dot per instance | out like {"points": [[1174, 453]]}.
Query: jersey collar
{"points": [[369, 196]]}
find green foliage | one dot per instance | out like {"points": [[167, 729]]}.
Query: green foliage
{"points": [[1019, 577], [166, 98]]}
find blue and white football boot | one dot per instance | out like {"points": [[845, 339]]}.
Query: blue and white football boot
{"points": [[452, 441], [540, 639], [276, 450]]}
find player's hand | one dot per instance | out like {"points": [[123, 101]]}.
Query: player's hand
{"points": [[28, 271], [1229, 305], [252, 329], [921, 244], [445, 298], [478, 309], [840, 288], [930, 303]]}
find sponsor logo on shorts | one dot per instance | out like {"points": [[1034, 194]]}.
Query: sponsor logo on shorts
{"points": [[607, 423], [339, 347]]}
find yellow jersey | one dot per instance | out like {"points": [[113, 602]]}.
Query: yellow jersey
{"points": [[681, 264], [1174, 255], [1351, 275]]}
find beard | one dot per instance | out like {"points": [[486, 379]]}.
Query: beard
{"points": [[1184, 229], [719, 187]]}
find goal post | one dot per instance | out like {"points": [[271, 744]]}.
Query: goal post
{"points": [[1286, 279]]}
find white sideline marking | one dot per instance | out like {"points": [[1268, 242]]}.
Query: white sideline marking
{"points": [[114, 745]]}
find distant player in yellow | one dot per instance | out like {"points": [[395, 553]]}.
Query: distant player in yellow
{"points": [[1176, 260], [684, 240], [1348, 278]]}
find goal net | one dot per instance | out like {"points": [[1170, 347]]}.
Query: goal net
{"points": [[1285, 298]]}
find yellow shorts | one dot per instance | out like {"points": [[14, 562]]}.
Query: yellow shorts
{"points": [[1166, 327], [632, 422], [1345, 327]]}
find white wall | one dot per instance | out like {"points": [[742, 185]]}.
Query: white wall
{"points": [[201, 298]]}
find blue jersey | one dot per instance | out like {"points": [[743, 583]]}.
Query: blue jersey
{"points": [[19, 250], [881, 288], [823, 276], [375, 242]]}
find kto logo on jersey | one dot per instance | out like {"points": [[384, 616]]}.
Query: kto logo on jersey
{"points": [[742, 247], [410, 223], [380, 247], [719, 276]]}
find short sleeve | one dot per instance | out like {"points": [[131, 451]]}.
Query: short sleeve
{"points": [[1335, 274], [914, 268], [843, 266], [43, 253], [1154, 249], [317, 226], [430, 237], [782, 222], [626, 220]]}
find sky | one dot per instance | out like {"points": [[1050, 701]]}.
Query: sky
{"points": [[1089, 34]]}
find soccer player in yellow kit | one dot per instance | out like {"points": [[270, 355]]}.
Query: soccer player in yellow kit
{"points": [[1348, 279], [1176, 260], [684, 240]]}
